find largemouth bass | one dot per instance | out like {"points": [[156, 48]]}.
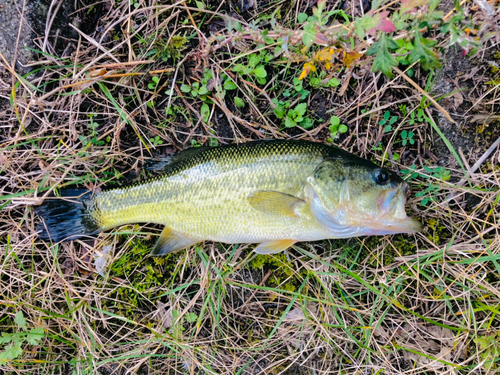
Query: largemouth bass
{"points": [[273, 193]]}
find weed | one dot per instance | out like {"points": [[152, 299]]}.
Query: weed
{"points": [[490, 350], [384, 60], [178, 324], [429, 194], [255, 66], [195, 89], [92, 138], [388, 121], [420, 117], [156, 141], [298, 86], [240, 103], [407, 137], [195, 143], [14, 342], [154, 82], [205, 112], [336, 128], [293, 117]]}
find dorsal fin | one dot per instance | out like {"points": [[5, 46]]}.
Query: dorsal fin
{"points": [[161, 164]]}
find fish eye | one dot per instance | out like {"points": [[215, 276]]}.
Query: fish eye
{"points": [[382, 176]]}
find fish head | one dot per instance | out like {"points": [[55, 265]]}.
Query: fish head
{"points": [[355, 197]]}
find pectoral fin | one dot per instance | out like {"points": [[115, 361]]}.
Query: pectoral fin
{"points": [[171, 241], [274, 202], [273, 247]]}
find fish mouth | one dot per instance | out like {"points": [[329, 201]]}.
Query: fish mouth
{"points": [[392, 207]]}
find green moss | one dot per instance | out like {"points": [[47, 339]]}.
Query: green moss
{"points": [[144, 276], [274, 261], [283, 274], [437, 232]]}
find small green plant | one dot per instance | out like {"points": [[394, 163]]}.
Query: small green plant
{"points": [[336, 128], [154, 83], [312, 25], [388, 121], [156, 141], [178, 324], [228, 83], [298, 86], [14, 342], [430, 192], [205, 112], [164, 50], [377, 147], [199, 88], [239, 102], [295, 116], [404, 49], [384, 60], [92, 139], [490, 350], [407, 137], [195, 143], [195, 89], [281, 108], [292, 117], [255, 66], [420, 117]]}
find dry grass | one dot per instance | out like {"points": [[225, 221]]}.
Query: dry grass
{"points": [[92, 116]]}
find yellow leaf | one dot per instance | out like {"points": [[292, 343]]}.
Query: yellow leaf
{"points": [[306, 69], [323, 55], [351, 57]]}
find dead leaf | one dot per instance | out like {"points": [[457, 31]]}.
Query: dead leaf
{"points": [[97, 72], [321, 40], [458, 99], [295, 314], [164, 315], [485, 119], [101, 259], [345, 84]]}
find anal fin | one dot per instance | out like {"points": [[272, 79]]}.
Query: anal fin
{"points": [[171, 241], [273, 247]]}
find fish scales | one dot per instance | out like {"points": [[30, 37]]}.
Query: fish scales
{"points": [[205, 196]]}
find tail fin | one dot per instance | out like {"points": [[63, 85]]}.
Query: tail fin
{"points": [[67, 219]]}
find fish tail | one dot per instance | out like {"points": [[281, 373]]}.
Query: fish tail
{"points": [[68, 218]]}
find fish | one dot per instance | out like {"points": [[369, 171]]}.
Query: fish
{"points": [[273, 193]]}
